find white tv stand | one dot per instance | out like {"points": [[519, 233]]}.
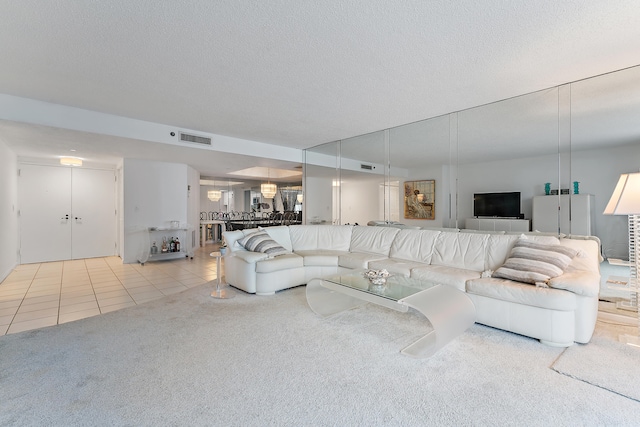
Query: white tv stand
{"points": [[498, 224]]}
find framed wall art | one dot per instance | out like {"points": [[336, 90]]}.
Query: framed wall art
{"points": [[419, 199]]}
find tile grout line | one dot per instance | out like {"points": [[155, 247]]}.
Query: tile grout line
{"points": [[23, 297]]}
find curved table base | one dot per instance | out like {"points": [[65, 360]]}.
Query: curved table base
{"points": [[449, 310]]}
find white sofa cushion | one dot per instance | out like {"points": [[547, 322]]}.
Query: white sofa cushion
{"points": [[395, 266], [232, 237], [588, 257], [498, 249], [357, 260], [451, 276], [522, 293], [250, 257], [372, 240], [283, 262], [321, 257], [460, 250], [414, 245], [313, 237], [280, 234]]}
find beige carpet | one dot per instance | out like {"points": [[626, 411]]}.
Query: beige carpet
{"points": [[605, 363], [193, 360]]}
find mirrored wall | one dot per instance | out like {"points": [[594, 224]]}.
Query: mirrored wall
{"points": [[559, 151]]}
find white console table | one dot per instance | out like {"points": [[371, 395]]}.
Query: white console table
{"points": [[498, 224]]}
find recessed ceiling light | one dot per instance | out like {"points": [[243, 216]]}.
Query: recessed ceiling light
{"points": [[219, 183], [70, 161]]}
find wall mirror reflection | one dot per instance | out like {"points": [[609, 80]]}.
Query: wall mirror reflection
{"points": [[578, 137]]}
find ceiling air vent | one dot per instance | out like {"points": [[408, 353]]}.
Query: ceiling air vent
{"points": [[187, 137], [367, 167]]}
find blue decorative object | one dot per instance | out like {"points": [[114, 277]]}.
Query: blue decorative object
{"points": [[547, 188], [575, 187]]}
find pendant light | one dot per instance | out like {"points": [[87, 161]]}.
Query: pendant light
{"points": [[214, 195], [268, 190]]}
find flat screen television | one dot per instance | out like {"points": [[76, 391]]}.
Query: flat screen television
{"points": [[505, 205]]}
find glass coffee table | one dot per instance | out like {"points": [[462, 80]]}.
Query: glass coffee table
{"points": [[449, 310]]}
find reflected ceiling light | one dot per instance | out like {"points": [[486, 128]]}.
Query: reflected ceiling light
{"points": [[214, 195], [268, 190], [299, 197], [220, 183], [70, 161], [261, 172]]}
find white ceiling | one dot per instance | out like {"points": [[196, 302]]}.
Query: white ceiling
{"points": [[294, 73]]}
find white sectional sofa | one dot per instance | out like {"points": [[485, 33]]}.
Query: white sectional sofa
{"points": [[560, 314]]}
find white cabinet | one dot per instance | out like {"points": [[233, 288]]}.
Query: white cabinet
{"points": [[151, 249], [567, 213], [497, 224]]}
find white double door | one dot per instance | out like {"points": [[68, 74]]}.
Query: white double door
{"points": [[66, 213]]}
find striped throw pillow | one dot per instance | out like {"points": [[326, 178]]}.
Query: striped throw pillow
{"points": [[535, 263], [260, 241]]}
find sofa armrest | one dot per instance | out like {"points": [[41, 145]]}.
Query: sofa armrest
{"points": [[583, 283]]}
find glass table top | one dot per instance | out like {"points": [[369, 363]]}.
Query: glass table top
{"points": [[396, 288]]}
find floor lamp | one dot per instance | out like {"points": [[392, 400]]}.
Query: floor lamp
{"points": [[625, 200]]}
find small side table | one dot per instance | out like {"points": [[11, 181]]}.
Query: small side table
{"points": [[219, 291]]}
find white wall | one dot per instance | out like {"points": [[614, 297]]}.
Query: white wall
{"points": [[596, 170], [193, 205], [8, 210], [527, 176], [318, 198], [360, 201], [155, 193]]}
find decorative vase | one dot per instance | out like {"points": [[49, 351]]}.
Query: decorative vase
{"points": [[576, 184], [223, 251], [547, 188]]}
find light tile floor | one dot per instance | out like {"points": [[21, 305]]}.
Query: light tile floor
{"points": [[38, 295]]}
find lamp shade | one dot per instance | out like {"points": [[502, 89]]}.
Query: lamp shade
{"points": [[299, 197], [268, 190], [625, 199], [70, 161], [214, 195]]}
